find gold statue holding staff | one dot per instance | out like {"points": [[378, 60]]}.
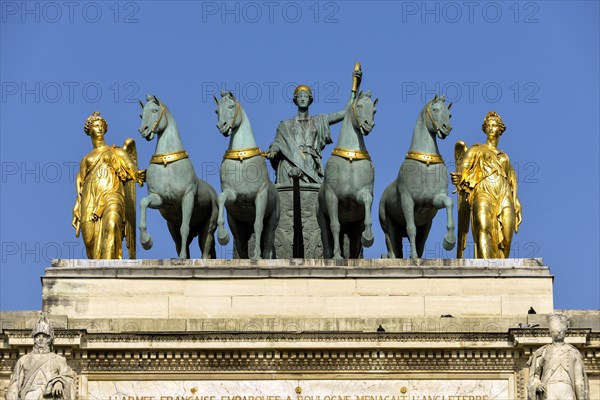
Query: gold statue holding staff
{"points": [[104, 211], [487, 189]]}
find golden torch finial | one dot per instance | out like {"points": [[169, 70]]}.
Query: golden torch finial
{"points": [[355, 81]]}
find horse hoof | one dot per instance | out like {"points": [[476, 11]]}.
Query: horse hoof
{"points": [[223, 240], [367, 241], [449, 243], [147, 244]]}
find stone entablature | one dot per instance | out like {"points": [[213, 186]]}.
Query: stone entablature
{"points": [[258, 355]]}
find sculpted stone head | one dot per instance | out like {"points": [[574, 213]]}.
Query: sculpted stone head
{"points": [[43, 335], [492, 121], [558, 325], [95, 120], [307, 92]]}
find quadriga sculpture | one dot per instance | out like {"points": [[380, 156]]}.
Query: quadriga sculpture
{"points": [[408, 205], [248, 194], [346, 194], [187, 203]]}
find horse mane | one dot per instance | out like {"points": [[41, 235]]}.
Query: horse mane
{"points": [[436, 99], [156, 100], [362, 94], [227, 93]]}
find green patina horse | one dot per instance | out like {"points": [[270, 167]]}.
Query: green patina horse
{"points": [[408, 205], [248, 194], [346, 194], [187, 203]]}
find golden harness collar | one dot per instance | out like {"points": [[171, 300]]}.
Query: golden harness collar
{"points": [[243, 154], [424, 157], [168, 158], [351, 155]]}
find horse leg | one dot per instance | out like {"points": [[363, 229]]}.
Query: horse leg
{"points": [[240, 236], [355, 233], [268, 243], [222, 234], [395, 242], [326, 237], [175, 235], [187, 245], [422, 234], [187, 206], [260, 207], [331, 201], [206, 234], [153, 201], [408, 206], [441, 201], [366, 198]]}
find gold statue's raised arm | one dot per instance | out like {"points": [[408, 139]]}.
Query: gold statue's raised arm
{"points": [[487, 190], [104, 210]]}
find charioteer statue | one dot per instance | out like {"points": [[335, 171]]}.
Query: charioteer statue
{"points": [[299, 141], [295, 155]]}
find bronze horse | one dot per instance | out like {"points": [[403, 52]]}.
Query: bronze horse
{"points": [[346, 194], [187, 203], [408, 205]]}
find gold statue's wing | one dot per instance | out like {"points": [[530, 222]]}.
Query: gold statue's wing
{"points": [[464, 209], [130, 201]]}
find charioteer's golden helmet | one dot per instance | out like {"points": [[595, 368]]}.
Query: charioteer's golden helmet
{"points": [[303, 88]]}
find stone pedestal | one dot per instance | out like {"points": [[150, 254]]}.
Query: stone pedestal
{"points": [[284, 235], [296, 289]]}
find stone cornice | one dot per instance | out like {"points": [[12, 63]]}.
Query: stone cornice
{"points": [[295, 340], [296, 268]]}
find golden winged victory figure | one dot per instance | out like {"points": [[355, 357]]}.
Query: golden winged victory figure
{"points": [[104, 211], [487, 193]]}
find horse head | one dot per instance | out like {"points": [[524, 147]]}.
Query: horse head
{"points": [[153, 119], [437, 116], [363, 112], [229, 113]]}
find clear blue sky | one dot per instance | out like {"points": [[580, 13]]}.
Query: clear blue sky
{"points": [[535, 63]]}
